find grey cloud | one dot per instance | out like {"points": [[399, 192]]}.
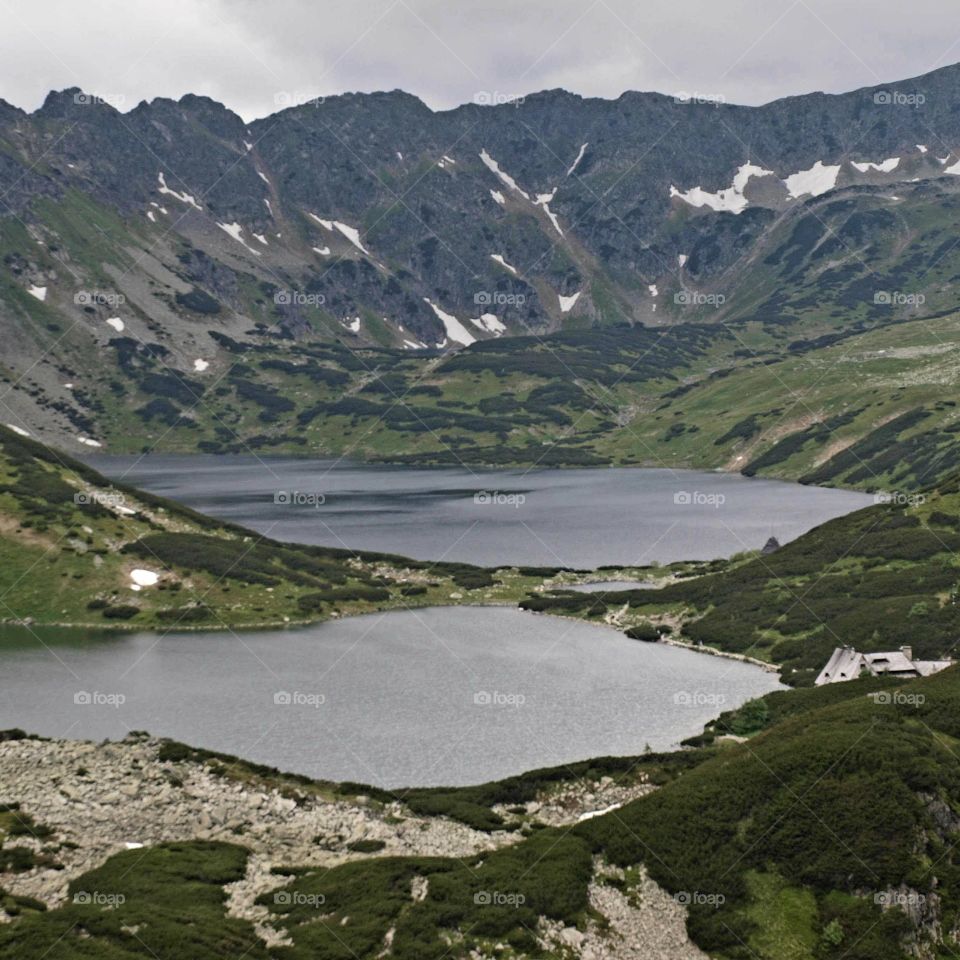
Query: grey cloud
{"points": [[246, 52]]}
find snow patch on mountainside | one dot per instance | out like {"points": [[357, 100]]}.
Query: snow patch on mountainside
{"points": [[182, 197], [885, 166], [543, 200], [323, 251], [568, 303], [456, 331], [18, 430], [39, 292], [505, 177], [576, 163], [728, 200], [819, 179], [490, 323], [116, 323], [503, 263], [236, 231], [499, 197]]}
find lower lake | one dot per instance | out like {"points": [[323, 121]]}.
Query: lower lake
{"points": [[421, 697]]}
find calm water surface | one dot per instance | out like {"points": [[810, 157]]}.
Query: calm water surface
{"points": [[437, 696], [576, 518]]}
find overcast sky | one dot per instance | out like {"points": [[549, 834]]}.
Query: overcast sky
{"points": [[258, 55]]}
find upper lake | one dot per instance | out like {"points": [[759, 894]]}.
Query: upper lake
{"points": [[581, 518]]}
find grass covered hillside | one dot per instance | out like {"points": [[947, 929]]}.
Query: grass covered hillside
{"points": [[829, 834], [76, 548], [877, 579]]}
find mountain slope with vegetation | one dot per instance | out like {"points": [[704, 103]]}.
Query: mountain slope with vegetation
{"points": [[199, 286], [880, 578], [76, 548], [829, 834]]}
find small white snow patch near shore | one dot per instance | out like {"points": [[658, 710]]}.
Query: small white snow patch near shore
{"points": [[654, 292], [236, 231], [323, 251], [151, 217], [576, 163], [88, 442], [568, 303], [116, 323], [248, 145], [819, 179], [884, 166], [499, 197], [261, 238], [505, 177], [264, 178], [399, 155], [199, 365], [922, 148], [954, 170], [39, 292], [144, 578], [498, 257], [131, 845], [682, 260], [456, 331], [18, 430], [353, 325], [182, 197]]}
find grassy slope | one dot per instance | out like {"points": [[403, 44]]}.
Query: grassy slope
{"points": [[69, 540]]}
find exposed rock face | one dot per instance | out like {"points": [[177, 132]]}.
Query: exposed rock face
{"points": [[771, 546]]}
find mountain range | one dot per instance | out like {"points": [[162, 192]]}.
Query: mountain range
{"points": [[373, 255]]}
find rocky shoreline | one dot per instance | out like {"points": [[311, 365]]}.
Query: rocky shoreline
{"points": [[95, 800]]}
